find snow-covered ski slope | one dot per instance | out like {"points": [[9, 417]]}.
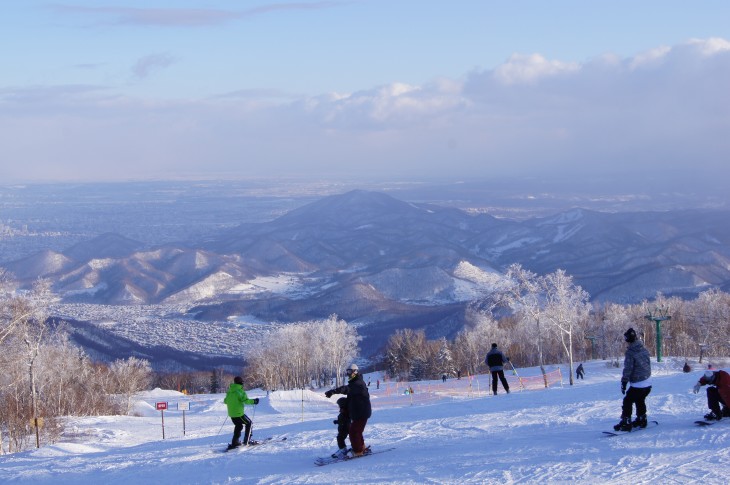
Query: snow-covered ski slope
{"points": [[532, 436]]}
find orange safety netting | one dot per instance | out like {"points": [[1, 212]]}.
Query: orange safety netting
{"points": [[396, 394]]}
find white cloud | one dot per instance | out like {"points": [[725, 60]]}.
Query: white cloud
{"points": [[529, 69]]}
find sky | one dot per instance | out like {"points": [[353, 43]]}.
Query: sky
{"points": [[392, 89], [452, 433]]}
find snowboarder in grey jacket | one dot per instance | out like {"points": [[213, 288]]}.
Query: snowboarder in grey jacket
{"points": [[637, 375]]}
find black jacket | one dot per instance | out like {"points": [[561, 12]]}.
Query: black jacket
{"points": [[358, 398]]}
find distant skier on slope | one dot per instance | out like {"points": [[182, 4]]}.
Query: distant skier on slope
{"points": [[579, 372], [358, 407], [637, 374], [235, 399], [718, 393]]}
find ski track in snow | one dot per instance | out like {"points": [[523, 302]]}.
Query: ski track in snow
{"points": [[540, 436]]}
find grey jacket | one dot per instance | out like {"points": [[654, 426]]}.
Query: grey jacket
{"points": [[637, 365]]}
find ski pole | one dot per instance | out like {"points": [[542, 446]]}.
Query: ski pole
{"points": [[518, 376], [222, 424]]}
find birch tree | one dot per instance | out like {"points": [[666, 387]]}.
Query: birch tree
{"points": [[566, 308]]}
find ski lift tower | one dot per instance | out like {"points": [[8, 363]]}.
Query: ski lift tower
{"points": [[593, 339], [658, 315]]}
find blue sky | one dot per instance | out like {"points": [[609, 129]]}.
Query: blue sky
{"points": [[122, 90]]}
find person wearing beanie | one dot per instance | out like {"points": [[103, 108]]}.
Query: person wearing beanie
{"points": [[637, 375], [235, 399], [718, 392], [495, 360], [358, 407]]}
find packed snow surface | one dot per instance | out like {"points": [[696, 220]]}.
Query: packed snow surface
{"points": [[451, 432]]}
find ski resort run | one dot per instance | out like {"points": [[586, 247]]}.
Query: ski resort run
{"points": [[444, 432]]}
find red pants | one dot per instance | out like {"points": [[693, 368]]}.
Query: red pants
{"points": [[356, 439]]}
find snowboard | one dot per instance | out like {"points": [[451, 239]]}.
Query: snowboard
{"points": [[705, 423], [649, 424], [327, 460], [253, 443]]}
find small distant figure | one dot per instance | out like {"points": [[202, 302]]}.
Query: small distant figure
{"points": [[343, 428], [718, 393], [458, 375], [377, 384], [368, 382], [686, 367], [495, 360], [709, 367], [579, 371], [410, 390], [443, 378]]}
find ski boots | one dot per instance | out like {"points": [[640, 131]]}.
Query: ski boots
{"points": [[639, 422], [713, 416], [624, 424]]}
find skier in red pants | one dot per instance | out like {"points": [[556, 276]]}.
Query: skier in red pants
{"points": [[359, 409]]}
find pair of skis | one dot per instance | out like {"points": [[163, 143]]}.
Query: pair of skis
{"points": [[252, 443]]}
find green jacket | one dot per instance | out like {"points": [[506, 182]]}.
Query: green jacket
{"points": [[235, 399]]}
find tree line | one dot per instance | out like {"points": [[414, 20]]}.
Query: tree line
{"points": [[537, 320]]}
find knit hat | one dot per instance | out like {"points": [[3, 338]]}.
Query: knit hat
{"points": [[238, 380]]}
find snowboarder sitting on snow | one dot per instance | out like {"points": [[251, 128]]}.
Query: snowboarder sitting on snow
{"points": [[358, 407], [495, 360], [343, 428], [637, 373], [718, 393], [235, 399]]}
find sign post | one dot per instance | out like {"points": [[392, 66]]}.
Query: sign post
{"points": [[161, 406], [183, 406]]}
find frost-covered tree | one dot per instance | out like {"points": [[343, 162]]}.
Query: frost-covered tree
{"points": [[130, 376], [566, 309], [710, 315], [298, 354], [444, 358], [524, 295]]}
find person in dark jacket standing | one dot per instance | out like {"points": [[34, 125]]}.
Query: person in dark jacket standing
{"points": [[358, 407], [495, 360], [235, 399], [636, 374], [579, 372], [718, 393]]}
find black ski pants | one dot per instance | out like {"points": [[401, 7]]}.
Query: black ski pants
{"points": [[238, 423], [635, 395], [714, 400], [500, 374]]}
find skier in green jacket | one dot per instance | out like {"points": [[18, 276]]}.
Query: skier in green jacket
{"points": [[235, 399]]}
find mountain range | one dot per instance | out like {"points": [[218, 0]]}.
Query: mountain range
{"points": [[385, 263]]}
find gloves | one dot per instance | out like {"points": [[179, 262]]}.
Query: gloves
{"points": [[623, 387], [335, 421], [696, 388], [328, 393], [255, 400]]}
